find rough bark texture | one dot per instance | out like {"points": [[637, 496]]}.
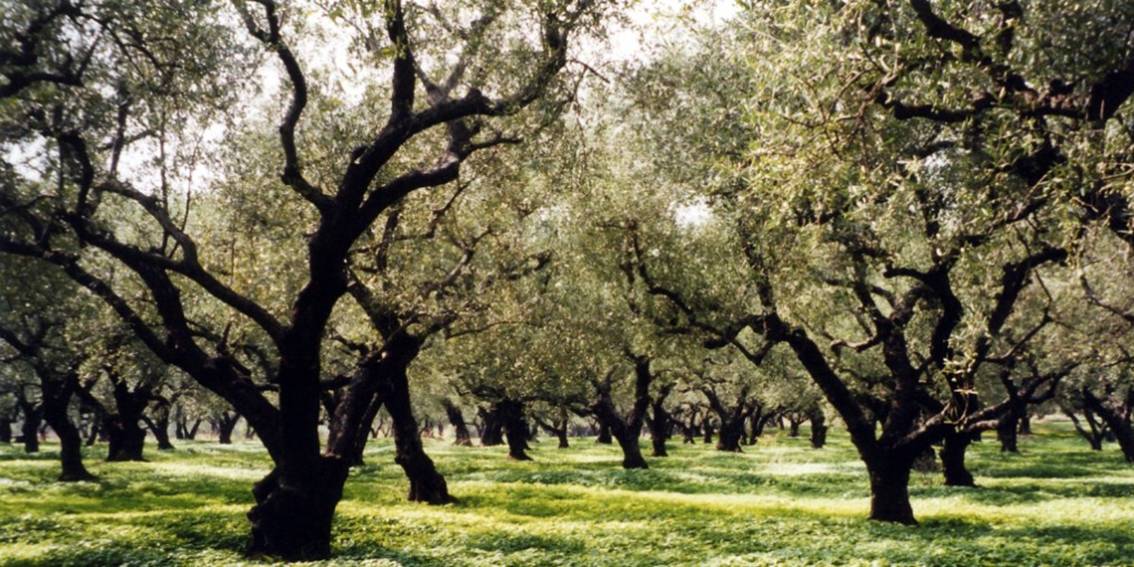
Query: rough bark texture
{"points": [[293, 520]]}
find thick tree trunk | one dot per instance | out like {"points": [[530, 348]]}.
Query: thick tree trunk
{"points": [[5, 430], [426, 484], [561, 436], [127, 438], [688, 434], [29, 431], [225, 424], [732, 431], [70, 449], [889, 490], [56, 401], [292, 520], [1025, 427], [457, 419], [604, 436], [1006, 433], [516, 430], [953, 460], [631, 451], [818, 428], [492, 432]]}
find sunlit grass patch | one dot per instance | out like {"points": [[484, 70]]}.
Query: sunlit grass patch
{"points": [[777, 503]]}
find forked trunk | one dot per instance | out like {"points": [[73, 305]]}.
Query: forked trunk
{"points": [[159, 426], [793, 427]]}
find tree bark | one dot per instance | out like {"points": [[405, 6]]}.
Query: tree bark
{"points": [[1116, 421], [56, 402], [426, 484], [953, 460], [818, 428], [1006, 433], [1095, 435], [661, 423], [457, 419], [492, 432], [889, 490], [516, 431], [225, 424], [5, 430], [159, 426], [604, 436], [127, 438], [293, 520], [29, 429]]}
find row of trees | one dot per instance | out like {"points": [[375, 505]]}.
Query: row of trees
{"points": [[909, 216]]}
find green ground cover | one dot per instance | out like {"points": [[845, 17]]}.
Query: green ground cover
{"points": [[1056, 503]]}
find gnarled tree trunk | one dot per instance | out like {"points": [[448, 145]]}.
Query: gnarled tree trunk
{"points": [[56, 401], [457, 419], [889, 489], [426, 484]]}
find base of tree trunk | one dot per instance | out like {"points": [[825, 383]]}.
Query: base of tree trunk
{"points": [[953, 461], [293, 523], [889, 494]]}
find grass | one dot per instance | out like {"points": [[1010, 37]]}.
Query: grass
{"points": [[1056, 503]]}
